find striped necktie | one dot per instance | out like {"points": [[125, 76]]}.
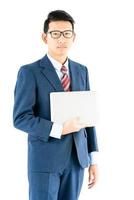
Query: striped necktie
{"points": [[65, 80]]}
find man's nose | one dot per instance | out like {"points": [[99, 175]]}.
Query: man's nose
{"points": [[61, 39]]}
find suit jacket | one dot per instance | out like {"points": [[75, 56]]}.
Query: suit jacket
{"points": [[31, 114]]}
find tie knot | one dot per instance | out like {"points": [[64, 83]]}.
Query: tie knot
{"points": [[63, 69]]}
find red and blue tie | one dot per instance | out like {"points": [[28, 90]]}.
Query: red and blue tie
{"points": [[65, 80]]}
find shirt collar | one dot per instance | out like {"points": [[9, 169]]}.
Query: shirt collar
{"points": [[57, 65]]}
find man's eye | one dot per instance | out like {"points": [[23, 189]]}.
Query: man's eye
{"points": [[67, 33], [55, 33]]}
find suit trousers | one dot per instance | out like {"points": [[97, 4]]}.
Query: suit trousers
{"points": [[65, 185]]}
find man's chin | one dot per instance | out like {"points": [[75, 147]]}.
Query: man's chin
{"points": [[62, 52]]}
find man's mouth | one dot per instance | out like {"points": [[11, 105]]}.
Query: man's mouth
{"points": [[61, 47]]}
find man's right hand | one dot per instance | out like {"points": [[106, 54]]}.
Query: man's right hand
{"points": [[73, 125]]}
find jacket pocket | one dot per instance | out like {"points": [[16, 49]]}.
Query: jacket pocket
{"points": [[85, 133]]}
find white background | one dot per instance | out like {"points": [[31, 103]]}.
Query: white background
{"points": [[105, 44]]}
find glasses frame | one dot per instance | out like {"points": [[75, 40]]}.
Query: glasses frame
{"points": [[61, 33]]}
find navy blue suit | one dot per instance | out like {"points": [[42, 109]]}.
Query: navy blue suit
{"points": [[31, 114]]}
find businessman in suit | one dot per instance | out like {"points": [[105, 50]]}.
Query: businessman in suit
{"points": [[57, 153]]}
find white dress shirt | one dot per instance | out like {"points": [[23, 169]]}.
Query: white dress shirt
{"points": [[56, 130]]}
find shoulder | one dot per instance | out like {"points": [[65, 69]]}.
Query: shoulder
{"points": [[30, 67], [30, 70], [79, 66], [34, 67]]}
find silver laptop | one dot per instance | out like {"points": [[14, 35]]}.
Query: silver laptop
{"points": [[67, 105]]}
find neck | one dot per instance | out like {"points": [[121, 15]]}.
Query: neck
{"points": [[60, 58]]}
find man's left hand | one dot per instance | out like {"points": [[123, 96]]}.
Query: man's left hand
{"points": [[93, 175]]}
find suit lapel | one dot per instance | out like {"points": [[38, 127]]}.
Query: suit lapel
{"points": [[74, 75], [50, 74]]}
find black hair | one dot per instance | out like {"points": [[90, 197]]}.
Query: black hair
{"points": [[57, 15]]}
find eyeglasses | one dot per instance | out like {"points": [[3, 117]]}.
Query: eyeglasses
{"points": [[57, 34]]}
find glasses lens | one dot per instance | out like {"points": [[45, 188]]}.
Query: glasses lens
{"points": [[55, 34], [68, 34]]}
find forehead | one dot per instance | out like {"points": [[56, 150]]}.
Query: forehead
{"points": [[60, 25]]}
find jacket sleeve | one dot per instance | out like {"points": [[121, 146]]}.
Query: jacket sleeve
{"points": [[91, 131], [24, 105]]}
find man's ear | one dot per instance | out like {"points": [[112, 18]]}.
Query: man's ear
{"points": [[44, 37], [74, 37]]}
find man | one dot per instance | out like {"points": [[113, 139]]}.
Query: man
{"points": [[57, 154]]}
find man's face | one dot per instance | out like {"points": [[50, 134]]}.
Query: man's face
{"points": [[58, 45]]}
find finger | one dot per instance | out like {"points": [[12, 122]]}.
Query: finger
{"points": [[90, 185], [79, 126], [91, 181], [82, 122]]}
